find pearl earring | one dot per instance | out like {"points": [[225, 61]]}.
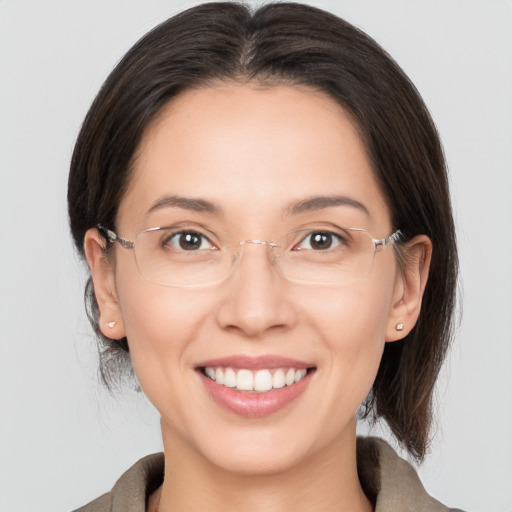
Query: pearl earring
{"points": [[399, 327], [111, 324]]}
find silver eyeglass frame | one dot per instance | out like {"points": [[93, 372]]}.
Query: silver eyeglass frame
{"points": [[112, 237]]}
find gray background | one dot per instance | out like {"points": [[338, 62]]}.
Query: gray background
{"points": [[63, 439]]}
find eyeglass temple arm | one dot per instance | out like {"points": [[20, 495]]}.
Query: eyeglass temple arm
{"points": [[391, 239], [114, 237]]}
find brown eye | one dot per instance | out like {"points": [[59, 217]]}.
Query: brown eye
{"points": [[320, 241], [189, 241]]}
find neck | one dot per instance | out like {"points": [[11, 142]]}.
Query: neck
{"points": [[327, 481]]}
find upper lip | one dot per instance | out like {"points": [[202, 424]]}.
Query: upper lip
{"points": [[255, 363]]}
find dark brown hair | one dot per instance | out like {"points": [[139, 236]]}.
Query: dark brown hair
{"points": [[287, 43]]}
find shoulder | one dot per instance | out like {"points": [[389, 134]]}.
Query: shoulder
{"points": [[392, 481], [130, 492]]}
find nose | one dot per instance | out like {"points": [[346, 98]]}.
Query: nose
{"points": [[257, 298]]}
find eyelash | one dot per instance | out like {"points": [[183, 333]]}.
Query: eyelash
{"points": [[176, 235], [324, 233]]}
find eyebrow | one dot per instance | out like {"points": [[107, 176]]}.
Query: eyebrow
{"points": [[186, 203], [321, 202], [303, 206]]}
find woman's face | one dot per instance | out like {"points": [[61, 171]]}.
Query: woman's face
{"points": [[240, 158]]}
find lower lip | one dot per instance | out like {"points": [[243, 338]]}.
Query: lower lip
{"points": [[245, 403]]}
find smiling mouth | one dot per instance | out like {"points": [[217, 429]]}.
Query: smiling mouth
{"points": [[257, 381]]}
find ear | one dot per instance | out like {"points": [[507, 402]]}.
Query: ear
{"points": [[409, 288], [110, 321]]}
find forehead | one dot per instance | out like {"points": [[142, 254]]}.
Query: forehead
{"points": [[251, 151]]}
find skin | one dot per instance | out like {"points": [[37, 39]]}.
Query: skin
{"points": [[241, 147]]}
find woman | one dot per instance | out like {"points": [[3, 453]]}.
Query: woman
{"points": [[263, 204]]}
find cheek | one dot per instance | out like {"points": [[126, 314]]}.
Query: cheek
{"points": [[353, 315], [356, 340], [160, 324], [351, 324]]}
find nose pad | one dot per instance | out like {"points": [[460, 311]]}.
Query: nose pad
{"points": [[259, 242], [272, 256]]}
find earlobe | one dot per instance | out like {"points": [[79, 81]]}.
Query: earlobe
{"points": [[110, 320], [417, 254]]}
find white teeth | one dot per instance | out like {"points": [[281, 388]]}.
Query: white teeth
{"points": [[230, 378], [278, 379], [300, 374], [244, 380], [290, 377], [263, 380], [219, 376], [260, 381]]}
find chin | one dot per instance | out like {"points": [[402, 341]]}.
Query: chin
{"points": [[256, 460]]}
